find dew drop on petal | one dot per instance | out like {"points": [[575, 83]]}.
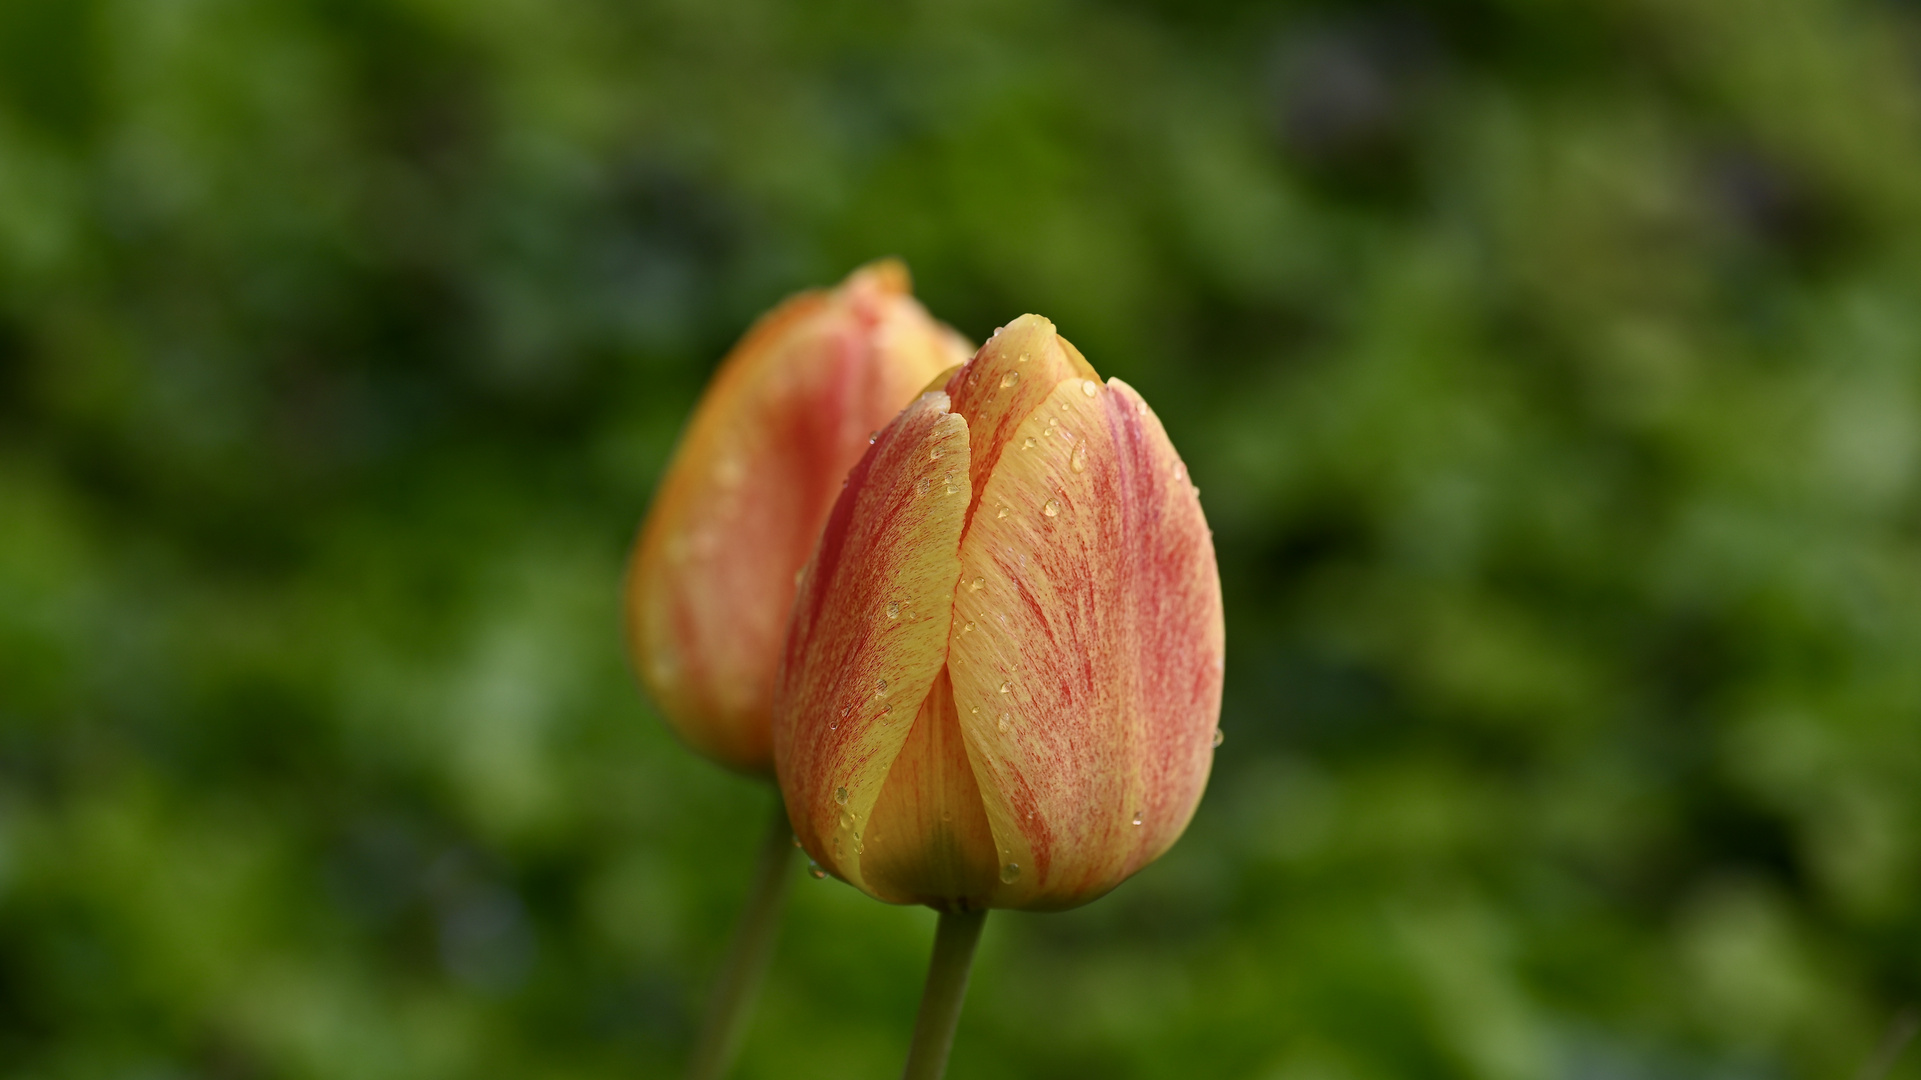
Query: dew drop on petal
{"points": [[1219, 736], [796, 839], [814, 871], [893, 609], [977, 584], [921, 486], [880, 687], [1007, 688], [1003, 512], [1011, 873], [934, 454], [1053, 507], [1137, 817], [1010, 379], [1180, 471], [1002, 723], [1029, 444], [886, 709], [840, 795], [967, 628], [1078, 459], [1090, 387], [1023, 359]]}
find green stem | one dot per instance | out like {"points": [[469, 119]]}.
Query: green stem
{"points": [[747, 959], [940, 1002]]}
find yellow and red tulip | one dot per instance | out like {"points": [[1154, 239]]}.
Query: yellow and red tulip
{"points": [[713, 572], [1002, 680]]}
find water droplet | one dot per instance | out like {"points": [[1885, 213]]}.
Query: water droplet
{"points": [[977, 584], [934, 454], [1090, 387], [860, 848], [951, 489], [1011, 873], [840, 795], [1219, 736], [1007, 688], [880, 687], [893, 609], [814, 871], [1002, 723], [1010, 379], [871, 436], [968, 628], [1078, 459], [1023, 359], [1180, 471], [796, 840], [921, 486], [886, 710], [974, 710], [846, 820], [1029, 444], [1053, 507]]}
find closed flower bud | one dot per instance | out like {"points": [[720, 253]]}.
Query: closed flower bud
{"points": [[714, 570], [1003, 675]]}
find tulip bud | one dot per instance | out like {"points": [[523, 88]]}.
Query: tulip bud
{"points": [[713, 573], [1003, 675]]}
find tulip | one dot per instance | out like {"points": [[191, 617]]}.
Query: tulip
{"points": [[1002, 679], [714, 571], [737, 512]]}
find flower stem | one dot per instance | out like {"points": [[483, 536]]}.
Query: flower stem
{"points": [[749, 955], [940, 1002]]}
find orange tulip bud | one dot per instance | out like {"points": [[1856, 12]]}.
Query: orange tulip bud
{"points": [[1003, 675], [713, 573]]}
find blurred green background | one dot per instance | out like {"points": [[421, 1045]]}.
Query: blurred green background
{"points": [[1551, 372]]}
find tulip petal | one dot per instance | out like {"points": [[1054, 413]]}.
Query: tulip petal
{"points": [[868, 634], [1086, 653], [1006, 381], [738, 511], [929, 841]]}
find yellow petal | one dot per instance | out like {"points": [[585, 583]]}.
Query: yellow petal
{"points": [[1007, 380], [868, 636], [1089, 687], [928, 841]]}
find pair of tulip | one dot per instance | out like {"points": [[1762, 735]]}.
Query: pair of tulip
{"points": [[980, 649]]}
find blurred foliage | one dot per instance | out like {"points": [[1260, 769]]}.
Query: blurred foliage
{"points": [[1549, 370]]}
